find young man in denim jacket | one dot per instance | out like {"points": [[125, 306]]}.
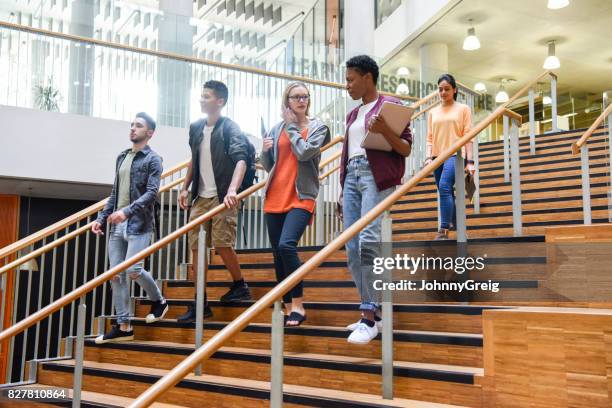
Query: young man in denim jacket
{"points": [[131, 212]]}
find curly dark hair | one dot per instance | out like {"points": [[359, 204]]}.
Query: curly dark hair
{"points": [[219, 88], [364, 64]]}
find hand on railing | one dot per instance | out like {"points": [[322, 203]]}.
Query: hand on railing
{"points": [[96, 228]]}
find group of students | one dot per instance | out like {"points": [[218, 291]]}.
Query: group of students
{"points": [[291, 153]]}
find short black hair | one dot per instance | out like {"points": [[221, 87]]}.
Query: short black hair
{"points": [[451, 80], [148, 119], [364, 64], [219, 88]]}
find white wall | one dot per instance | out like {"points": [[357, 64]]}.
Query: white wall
{"points": [[72, 148], [406, 22]]}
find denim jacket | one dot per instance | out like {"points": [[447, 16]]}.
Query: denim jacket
{"points": [[307, 152], [145, 176]]}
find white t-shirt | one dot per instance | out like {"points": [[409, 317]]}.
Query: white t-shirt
{"points": [[208, 188], [357, 131]]}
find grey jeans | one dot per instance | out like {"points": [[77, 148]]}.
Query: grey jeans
{"points": [[122, 246]]}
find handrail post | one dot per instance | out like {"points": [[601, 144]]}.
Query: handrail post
{"points": [[532, 142], [460, 198], [553, 97], [320, 214], [387, 310], [506, 148], [78, 355], [276, 357], [610, 163], [476, 197], [586, 184], [200, 290], [517, 215]]}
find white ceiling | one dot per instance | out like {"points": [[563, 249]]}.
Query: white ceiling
{"points": [[513, 36]]}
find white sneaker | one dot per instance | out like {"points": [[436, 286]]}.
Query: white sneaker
{"points": [[363, 334], [353, 326]]}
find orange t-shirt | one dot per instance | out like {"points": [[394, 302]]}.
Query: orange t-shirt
{"points": [[282, 194]]}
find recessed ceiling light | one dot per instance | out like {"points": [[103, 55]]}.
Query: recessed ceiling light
{"points": [[502, 95], [557, 4], [403, 72], [402, 89], [480, 87], [471, 42], [551, 62]]}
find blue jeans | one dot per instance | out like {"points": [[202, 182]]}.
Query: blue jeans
{"points": [[122, 246], [285, 231], [360, 196], [445, 181]]}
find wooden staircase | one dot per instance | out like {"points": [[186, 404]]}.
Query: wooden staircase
{"points": [[438, 354], [551, 189], [437, 347]]}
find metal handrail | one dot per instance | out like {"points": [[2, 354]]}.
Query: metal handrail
{"points": [[184, 58], [231, 329], [106, 276], [70, 220], [69, 236], [600, 119]]}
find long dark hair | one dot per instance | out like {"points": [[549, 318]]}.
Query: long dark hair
{"points": [[451, 80]]}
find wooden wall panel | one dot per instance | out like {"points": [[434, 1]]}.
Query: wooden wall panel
{"points": [[9, 232], [548, 357]]}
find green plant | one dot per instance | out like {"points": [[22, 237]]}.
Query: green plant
{"points": [[47, 97]]}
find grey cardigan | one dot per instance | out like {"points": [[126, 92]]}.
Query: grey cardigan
{"points": [[307, 152]]}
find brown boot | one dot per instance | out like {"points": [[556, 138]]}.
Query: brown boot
{"points": [[442, 234]]}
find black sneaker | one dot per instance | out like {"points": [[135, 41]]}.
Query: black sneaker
{"points": [[237, 293], [190, 315], [158, 311], [115, 335]]}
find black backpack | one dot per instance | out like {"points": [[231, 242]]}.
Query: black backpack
{"points": [[250, 174]]}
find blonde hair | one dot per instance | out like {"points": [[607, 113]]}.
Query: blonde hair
{"points": [[291, 86]]}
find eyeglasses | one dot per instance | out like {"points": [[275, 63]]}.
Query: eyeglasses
{"points": [[298, 98]]}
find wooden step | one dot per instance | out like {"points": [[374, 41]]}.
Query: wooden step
{"points": [[220, 391], [541, 145], [420, 317], [571, 135], [89, 399], [498, 231], [418, 346], [488, 221]]}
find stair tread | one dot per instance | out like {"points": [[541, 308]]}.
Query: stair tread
{"points": [[108, 400], [320, 357], [260, 385]]}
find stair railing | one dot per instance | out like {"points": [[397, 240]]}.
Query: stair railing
{"points": [[580, 146], [273, 296], [90, 284]]}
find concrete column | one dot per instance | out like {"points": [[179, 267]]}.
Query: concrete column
{"points": [[359, 28], [434, 62], [80, 85], [358, 33], [174, 77]]}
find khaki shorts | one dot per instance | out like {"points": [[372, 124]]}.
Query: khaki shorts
{"points": [[220, 231]]}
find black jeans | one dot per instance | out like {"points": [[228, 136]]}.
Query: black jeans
{"points": [[285, 230]]}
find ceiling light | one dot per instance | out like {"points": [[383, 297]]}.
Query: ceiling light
{"points": [[471, 42], [480, 87], [547, 100], [551, 62], [402, 89], [557, 4], [502, 95], [403, 72]]}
